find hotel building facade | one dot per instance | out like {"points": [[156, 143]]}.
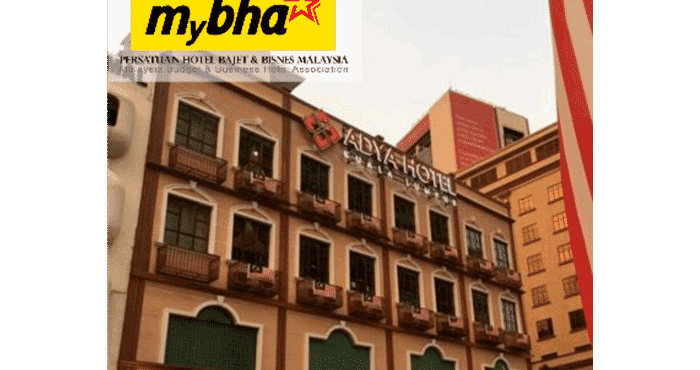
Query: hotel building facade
{"points": [[273, 236], [526, 176]]}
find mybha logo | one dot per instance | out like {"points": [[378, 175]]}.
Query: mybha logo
{"points": [[233, 25]]}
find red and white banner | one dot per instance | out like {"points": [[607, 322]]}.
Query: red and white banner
{"points": [[572, 26]]}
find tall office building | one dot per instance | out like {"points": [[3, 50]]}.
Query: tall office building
{"points": [[274, 236], [470, 128], [526, 175]]}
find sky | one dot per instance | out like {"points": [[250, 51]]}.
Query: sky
{"points": [[497, 51]]}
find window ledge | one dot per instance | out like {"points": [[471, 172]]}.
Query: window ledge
{"points": [[572, 295], [555, 200], [528, 211], [578, 330], [531, 241], [536, 272], [560, 231], [546, 338], [565, 262], [541, 304]]}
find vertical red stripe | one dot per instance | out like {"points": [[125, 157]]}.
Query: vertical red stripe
{"points": [[588, 4], [578, 244], [580, 115]]}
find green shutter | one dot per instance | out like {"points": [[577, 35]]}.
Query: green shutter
{"points": [[337, 353], [431, 360]]}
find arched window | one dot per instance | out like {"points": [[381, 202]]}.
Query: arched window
{"points": [[500, 365], [337, 352], [431, 360], [210, 340]]}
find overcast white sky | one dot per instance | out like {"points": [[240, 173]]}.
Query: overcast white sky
{"points": [[498, 51]]}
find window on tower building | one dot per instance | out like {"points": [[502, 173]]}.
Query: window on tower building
{"points": [[444, 297], [565, 255], [404, 215], [439, 229], [570, 286], [577, 319], [255, 151], [555, 192], [530, 234], [251, 241], [559, 222], [196, 129], [359, 196], [540, 296], [314, 177], [545, 329], [361, 273], [526, 205], [313, 259], [187, 224], [535, 264], [409, 292]]}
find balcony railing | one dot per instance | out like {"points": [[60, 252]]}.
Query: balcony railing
{"points": [[508, 277], [257, 279], [410, 241], [363, 223], [415, 317], [257, 184], [444, 254], [318, 207], [486, 333], [480, 266], [319, 295], [366, 306], [198, 164], [451, 326], [515, 341], [138, 365], [187, 264]]}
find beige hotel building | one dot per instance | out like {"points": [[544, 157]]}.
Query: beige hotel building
{"points": [[273, 236]]}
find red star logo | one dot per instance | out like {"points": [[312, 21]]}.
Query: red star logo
{"points": [[309, 13]]}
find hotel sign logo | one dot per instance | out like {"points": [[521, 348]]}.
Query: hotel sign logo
{"points": [[253, 25]]}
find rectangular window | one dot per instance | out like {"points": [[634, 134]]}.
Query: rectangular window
{"points": [[486, 178], [526, 204], [474, 242], [559, 222], [501, 249], [359, 196], [444, 297], [565, 254], [539, 296], [578, 320], [196, 129], [408, 287], [439, 230], [510, 136], [404, 217], [361, 273], [251, 241], [530, 233], [570, 286], [555, 192], [112, 110], [313, 259], [187, 224], [510, 319], [535, 264], [314, 177], [545, 329], [481, 307], [251, 143], [518, 163], [547, 149]]}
